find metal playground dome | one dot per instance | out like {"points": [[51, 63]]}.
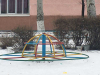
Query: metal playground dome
{"points": [[44, 55]]}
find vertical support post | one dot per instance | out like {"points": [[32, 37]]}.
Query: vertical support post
{"points": [[43, 45], [36, 50], [50, 46]]}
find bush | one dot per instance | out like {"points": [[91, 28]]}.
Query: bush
{"points": [[77, 26], [23, 33], [65, 26], [93, 26], [6, 42], [60, 25]]}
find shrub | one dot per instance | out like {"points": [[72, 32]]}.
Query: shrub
{"points": [[6, 42], [77, 26], [23, 33], [60, 25]]}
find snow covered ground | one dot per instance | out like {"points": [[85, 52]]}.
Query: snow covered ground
{"points": [[90, 66]]}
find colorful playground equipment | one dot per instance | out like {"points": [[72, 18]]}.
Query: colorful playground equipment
{"points": [[43, 55]]}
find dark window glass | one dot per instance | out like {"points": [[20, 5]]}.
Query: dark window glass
{"points": [[19, 6], [11, 6], [3, 6], [26, 6]]}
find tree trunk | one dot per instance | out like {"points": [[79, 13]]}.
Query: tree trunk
{"points": [[83, 5], [40, 16], [91, 10]]}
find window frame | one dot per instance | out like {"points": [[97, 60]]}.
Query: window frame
{"points": [[0, 6], [15, 14]]}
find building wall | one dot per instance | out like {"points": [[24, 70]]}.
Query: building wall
{"points": [[62, 7], [9, 23], [52, 10], [97, 4]]}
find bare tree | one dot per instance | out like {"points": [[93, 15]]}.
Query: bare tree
{"points": [[83, 7]]}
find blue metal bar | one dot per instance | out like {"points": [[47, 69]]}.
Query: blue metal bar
{"points": [[43, 46], [34, 43], [51, 48], [39, 39]]}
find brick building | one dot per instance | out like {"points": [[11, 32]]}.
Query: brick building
{"points": [[14, 13]]}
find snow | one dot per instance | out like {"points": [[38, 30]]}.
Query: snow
{"points": [[88, 66], [6, 34]]}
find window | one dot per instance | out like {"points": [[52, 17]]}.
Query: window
{"points": [[11, 6], [14, 6], [4, 6]]}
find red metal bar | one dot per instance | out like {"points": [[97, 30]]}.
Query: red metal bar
{"points": [[36, 50]]}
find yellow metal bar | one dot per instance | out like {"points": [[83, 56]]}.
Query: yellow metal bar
{"points": [[53, 46], [23, 50], [61, 45], [28, 42], [32, 58], [73, 54], [63, 51], [29, 54], [36, 42]]}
